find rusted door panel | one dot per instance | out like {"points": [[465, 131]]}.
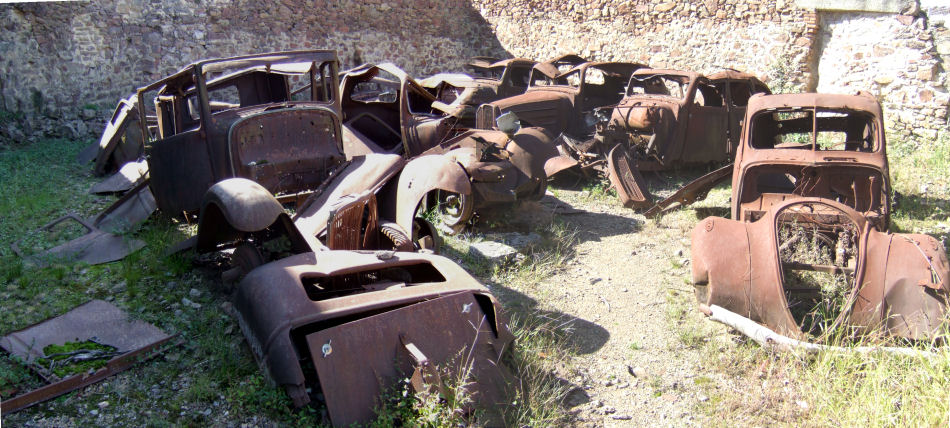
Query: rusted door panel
{"points": [[180, 172], [705, 135], [358, 361], [127, 177], [721, 261], [915, 290], [285, 149], [626, 179], [736, 117], [867, 311], [95, 247], [693, 191]]}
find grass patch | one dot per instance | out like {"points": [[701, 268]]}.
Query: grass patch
{"points": [[75, 357]]}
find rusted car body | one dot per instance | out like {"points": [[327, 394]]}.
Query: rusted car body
{"points": [[808, 249], [500, 79], [671, 118], [813, 145], [563, 101], [333, 299], [668, 119], [490, 80], [386, 111], [898, 283], [270, 118], [353, 323]]}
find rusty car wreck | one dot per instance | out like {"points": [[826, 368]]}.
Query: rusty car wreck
{"points": [[563, 101], [386, 111], [337, 300], [808, 252], [491, 79], [668, 119]]}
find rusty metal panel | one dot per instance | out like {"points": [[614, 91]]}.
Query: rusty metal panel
{"points": [[122, 140], [353, 223], [96, 320], [127, 177], [897, 283], [95, 247], [626, 179], [693, 191], [452, 332], [286, 149]]}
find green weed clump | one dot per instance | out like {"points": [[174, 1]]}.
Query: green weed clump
{"points": [[75, 357]]}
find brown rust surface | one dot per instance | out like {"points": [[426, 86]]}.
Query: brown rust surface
{"points": [[898, 282]]}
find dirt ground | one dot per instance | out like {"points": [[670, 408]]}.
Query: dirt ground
{"points": [[624, 290]]}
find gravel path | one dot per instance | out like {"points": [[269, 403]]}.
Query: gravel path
{"points": [[633, 368]]}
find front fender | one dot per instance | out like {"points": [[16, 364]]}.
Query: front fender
{"points": [[423, 175], [233, 208]]}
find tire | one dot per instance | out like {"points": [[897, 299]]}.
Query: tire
{"points": [[246, 257], [395, 235], [454, 209], [425, 236]]}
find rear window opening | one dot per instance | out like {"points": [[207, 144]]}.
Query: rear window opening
{"points": [[814, 129], [817, 247], [672, 86], [329, 287]]}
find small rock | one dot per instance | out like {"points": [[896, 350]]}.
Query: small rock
{"points": [[103, 404], [637, 371], [194, 293], [609, 410], [88, 113], [178, 313], [189, 303], [883, 80], [120, 287], [622, 417], [703, 398], [495, 252], [520, 241], [94, 412], [624, 289], [594, 280], [679, 252], [608, 382]]}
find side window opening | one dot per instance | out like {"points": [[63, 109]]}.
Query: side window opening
{"points": [[708, 96]]}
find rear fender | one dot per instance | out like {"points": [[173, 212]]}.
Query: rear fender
{"points": [[423, 175]]}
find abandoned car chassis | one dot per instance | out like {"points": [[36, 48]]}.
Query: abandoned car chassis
{"points": [[898, 283], [807, 250]]}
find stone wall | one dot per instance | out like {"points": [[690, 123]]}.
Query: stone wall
{"points": [[768, 38], [892, 56], [56, 58], [75, 59]]}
